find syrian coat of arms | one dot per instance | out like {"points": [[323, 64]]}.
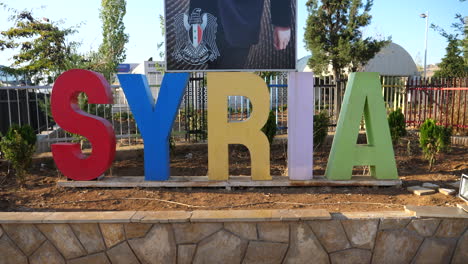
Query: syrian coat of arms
{"points": [[195, 37]]}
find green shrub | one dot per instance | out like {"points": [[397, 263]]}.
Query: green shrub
{"points": [[270, 127], [433, 139], [397, 124], [18, 147], [321, 123]]}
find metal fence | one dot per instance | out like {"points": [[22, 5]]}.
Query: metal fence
{"points": [[444, 100]]}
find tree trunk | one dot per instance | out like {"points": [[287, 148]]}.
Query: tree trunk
{"points": [[337, 96]]}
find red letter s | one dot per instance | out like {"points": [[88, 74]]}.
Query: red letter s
{"points": [[68, 115]]}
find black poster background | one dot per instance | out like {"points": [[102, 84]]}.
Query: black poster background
{"points": [[262, 56]]}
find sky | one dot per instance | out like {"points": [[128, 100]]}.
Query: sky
{"points": [[399, 19]]}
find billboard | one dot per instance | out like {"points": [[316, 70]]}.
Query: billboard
{"points": [[230, 35]]}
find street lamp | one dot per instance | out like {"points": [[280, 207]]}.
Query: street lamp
{"points": [[426, 16]]}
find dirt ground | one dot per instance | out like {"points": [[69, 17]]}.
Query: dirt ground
{"points": [[40, 192]]}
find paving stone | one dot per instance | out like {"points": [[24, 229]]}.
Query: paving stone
{"points": [[231, 215], [461, 254], [331, 234], [158, 246], [436, 211], [26, 236], [161, 217], [351, 256], [90, 237], [189, 233], [464, 207], [435, 251], [259, 252], [10, 253], [418, 190], [424, 227], [393, 223], [22, 217], [273, 231], [185, 253], [122, 254], [361, 233], [430, 185], [112, 233], [46, 254], [63, 238], [222, 247], [245, 230], [99, 258], [300, 214], [447, 191], [396, 246], [451, 228], [304, 246], [371, 215], [135, 230], [89, 217]]}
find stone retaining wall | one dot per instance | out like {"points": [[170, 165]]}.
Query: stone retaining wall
{"points": [[419, 235]]}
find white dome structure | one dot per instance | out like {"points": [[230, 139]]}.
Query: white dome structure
{"points": [[392, 60]]}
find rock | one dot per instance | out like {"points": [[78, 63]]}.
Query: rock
{"points": [[265, 252], [461, 254], [273, 231], [430, 185], [46, 254], [455, 184], [447, 191], [361, 233], [185, 253], [351, 256], [418, 190], [244, 230], [435, 251], [188, 233], [25, 236], [424, 227], [90, 237], [10, 253], [112, 233], [136, 230], [304, 246], [99, 258], [397, 223], [331, 234], [222, 247], [452, 228], [122, 254], [396, 246], [158, 246], [63, 238]]}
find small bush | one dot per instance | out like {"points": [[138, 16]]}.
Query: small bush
{"points": [[18, 147], [270, 127], [397, 124], [321, 123], [433, 139]]}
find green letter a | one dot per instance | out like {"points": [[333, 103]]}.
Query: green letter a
{"points": [[363, 93]]}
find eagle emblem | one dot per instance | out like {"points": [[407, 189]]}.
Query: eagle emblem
{"points": [[195, 37]]}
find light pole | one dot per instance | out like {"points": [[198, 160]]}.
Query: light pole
{"points": [[426, 16]]}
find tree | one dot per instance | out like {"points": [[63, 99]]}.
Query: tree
{"points": [[453, 64], [333, 35], [42, 48], [112, 50]]}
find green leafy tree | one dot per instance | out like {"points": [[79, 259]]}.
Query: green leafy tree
{"points": [[112, 50], [334, 35], [453, 64], [433, 139], [321, 123], [270, 127], [42, 49], [397, 124]]}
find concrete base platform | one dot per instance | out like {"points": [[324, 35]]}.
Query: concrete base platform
{"points": [[234, 181]]}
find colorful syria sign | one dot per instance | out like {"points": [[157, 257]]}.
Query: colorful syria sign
{"points": [[363, 96]]}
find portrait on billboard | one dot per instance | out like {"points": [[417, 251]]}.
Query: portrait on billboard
{"points": [[218, 35]]}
